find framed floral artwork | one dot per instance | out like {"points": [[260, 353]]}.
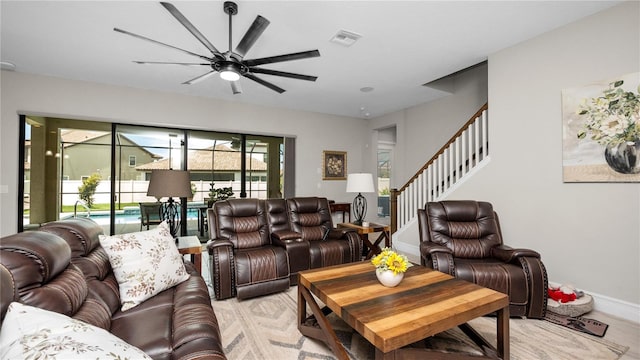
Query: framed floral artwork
{"points": [[334, 165], [601, 131]]}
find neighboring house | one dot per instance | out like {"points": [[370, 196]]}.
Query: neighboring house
{"points": [[227, 165], [80, 145]]}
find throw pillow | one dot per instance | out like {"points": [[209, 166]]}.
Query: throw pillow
{"points": [[144, 263], [32, 333]]}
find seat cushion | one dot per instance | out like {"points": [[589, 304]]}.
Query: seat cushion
{"points": [[262, 264]]}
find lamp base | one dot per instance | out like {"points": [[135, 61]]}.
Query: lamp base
{"points": [[171, 213], [359, 209]]}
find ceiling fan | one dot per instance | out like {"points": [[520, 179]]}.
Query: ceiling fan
{"points": [[231, 64]]}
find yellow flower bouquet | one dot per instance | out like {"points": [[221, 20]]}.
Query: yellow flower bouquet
{"points": [[390, 260]]}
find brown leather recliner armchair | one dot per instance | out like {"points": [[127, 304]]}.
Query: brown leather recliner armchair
{"points": [[311, 218], [244, 262], [463, 239]]}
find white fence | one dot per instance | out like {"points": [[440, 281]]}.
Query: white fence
{"points": [[134, 191]]}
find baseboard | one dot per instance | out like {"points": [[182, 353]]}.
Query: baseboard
{"points": [[615, 307]]}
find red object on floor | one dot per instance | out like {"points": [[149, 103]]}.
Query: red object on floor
{"points": [[558, 295]]}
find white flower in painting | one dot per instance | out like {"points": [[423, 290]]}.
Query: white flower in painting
{"points": [[612, 118]]}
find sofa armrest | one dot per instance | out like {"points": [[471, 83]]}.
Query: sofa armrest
{"points": [[437, 257], [340, 233], [222, 267], [351, 236], [428, 247], [508, 254], [285, 236], [298, 251]]}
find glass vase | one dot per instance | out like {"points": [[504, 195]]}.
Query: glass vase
{"points": [[624, 157]]}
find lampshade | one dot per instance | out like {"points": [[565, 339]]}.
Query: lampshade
{"points": [[169, 183], [360, 183]]}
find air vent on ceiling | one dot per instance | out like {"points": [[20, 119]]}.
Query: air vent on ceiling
{"points": [[346, 38]]}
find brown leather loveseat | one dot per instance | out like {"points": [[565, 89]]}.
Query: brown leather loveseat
{"points": [[62, 268], [257, 247]]}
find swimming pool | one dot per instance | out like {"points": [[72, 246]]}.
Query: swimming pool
{"points": [[129, 215]]}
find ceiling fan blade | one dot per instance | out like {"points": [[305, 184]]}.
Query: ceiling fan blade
{"points": [[283, 73], [170, 63], [199, 78], [265, 83], [161, 43], [280, 58], [189, 26], [235, 87], [257, 28]]}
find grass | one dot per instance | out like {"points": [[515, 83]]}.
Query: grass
{"points": [[98, 207]]}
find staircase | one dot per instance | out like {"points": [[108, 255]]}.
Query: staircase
{"points": [[464, 154]]}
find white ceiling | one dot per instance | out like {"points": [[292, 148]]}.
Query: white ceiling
{"points": [[404, 44]]}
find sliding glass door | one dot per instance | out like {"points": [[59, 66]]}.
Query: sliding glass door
{"points": [[102, 170]]}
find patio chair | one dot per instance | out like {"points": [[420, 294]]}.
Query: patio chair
{"points": [[150, 214]]}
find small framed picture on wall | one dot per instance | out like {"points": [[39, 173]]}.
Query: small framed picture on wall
{"points": [[334, 165]]}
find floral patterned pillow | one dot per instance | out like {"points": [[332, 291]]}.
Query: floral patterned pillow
{"points": [[32, 333], [144, 263]]}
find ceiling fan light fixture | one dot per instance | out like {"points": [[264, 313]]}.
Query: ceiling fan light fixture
{"points": [[231, 65], [229, 72], [229, 75]]}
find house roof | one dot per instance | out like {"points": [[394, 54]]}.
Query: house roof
{"points": [[226, 159], [71, 137]]}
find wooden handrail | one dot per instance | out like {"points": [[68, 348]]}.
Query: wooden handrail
{"points": [[443, 148], [395, 192]]}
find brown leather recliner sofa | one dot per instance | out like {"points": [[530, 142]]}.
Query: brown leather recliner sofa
{"points": [[257, 247], [63, 268], [463, 238]]}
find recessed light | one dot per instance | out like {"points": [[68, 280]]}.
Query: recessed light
{"points": [[366, 89], [5, 65]]}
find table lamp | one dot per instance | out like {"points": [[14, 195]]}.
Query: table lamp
{"points": [[359, 183], [170, 183]]}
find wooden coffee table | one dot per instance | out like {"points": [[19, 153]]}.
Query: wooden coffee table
{"points": [[426, 302]]}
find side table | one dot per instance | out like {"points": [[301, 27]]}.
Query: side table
{"points": [[190, 245], [364, 232]]}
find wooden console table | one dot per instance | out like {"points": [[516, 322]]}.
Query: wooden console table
{"points": [[345, 208]]}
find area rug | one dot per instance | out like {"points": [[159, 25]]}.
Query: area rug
{"points": [[265, 328]]}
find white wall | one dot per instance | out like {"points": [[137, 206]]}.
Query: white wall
{"points": [[422, 130], [588, 233], [40, 95]]}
